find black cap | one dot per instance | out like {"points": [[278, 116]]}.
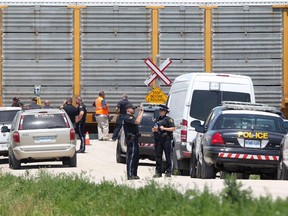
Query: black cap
{"points": [[15, 98], [163, 107], [130, 106]]}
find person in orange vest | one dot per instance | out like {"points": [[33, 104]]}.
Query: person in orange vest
{"points": [[102, 116]]}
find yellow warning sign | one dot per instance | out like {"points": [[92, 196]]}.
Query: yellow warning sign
{"points": [[156, 96]]}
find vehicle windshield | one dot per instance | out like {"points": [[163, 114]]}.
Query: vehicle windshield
{"points": [[7, 116], [43, 121], [250, 122], [204, 101]]}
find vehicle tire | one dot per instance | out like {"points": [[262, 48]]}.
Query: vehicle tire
{"points": [[225, 174], [73, 161], [15, 164], [198, 169], [207, 172], [119, 157], [65, 161], [242, 175], [193, 164], [175, 170], [268, 176], [10, 161], [282, 171]]}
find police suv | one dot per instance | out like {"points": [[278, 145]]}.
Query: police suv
{"points": [[239, 138]]}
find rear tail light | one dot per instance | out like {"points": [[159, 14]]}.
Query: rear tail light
{"points": [[72, 134], [16, 137], [184, 130], [217, 139]]}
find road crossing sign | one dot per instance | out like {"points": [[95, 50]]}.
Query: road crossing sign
{"points": [[156, 96], [158, 71]]}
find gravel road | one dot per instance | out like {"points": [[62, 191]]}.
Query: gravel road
{"points": [[99, 163]]}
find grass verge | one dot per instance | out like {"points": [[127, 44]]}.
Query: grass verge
{"points": [[71, 194]]}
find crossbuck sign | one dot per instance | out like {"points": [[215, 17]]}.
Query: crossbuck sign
{"points": [[158, 71]]}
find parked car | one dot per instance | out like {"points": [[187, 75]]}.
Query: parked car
{"points": [[7, 115], [146, 139], [41, 135], [241, 138]]}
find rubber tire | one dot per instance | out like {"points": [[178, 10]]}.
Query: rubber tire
{"points": [[65, 161], [174, 163], [268, 176], [10, 161], [242, 175], [73, 161], [225, 174], [119, 158], [193, 164], [15, 164], [282, 171], [198, 169], [207, 172]]}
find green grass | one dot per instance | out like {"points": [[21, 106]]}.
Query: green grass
{"points": [[75, 195]]}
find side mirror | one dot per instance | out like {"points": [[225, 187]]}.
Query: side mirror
{"points": [[5, 129], [195, 123], [200, 129]]}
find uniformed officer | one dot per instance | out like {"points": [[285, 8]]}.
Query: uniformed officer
{"points": [[80, 121], [70, 110], [163, 135], [121, 110], [130, 123]]}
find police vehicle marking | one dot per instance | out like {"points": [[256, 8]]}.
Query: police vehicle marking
{"points": [[248, 156]]}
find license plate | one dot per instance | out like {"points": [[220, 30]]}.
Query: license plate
{"points": [[252, 143], [45, 139]]}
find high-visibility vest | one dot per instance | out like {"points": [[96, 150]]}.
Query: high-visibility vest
{"points": [[99, 108]]}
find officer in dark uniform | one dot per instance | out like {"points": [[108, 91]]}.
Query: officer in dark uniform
{"points": [[130, 123], [80, 121], [70, 110], [121, 110], [163, 136]]}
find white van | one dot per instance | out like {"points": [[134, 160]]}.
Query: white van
{"points": [[191, 97]]}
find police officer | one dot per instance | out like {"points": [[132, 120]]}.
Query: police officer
{"points": [[163, 135], [80, 121], [121, 110], [70, 110], [130, 123]]}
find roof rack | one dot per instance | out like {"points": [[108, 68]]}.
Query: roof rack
{"points": [[249, 106]]}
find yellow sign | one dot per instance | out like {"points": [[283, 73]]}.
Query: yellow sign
{"points": [[156, 96]]}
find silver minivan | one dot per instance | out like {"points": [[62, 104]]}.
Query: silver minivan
{"points": [[41, 135]]}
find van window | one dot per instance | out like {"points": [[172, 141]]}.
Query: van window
{"points": [[43, 121], [204, 101], [7, 116]]}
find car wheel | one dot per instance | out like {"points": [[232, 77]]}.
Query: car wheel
{"points": [[119, 157], [207, 172], [268, 176], [282, 171], [193, 164], [15, 164], [198, 169], [242, 175], [174, 163], [73, 161], [225, 174], [10, 161], [65, 161]]}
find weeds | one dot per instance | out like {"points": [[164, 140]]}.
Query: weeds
{"points": [[72, 194]]}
